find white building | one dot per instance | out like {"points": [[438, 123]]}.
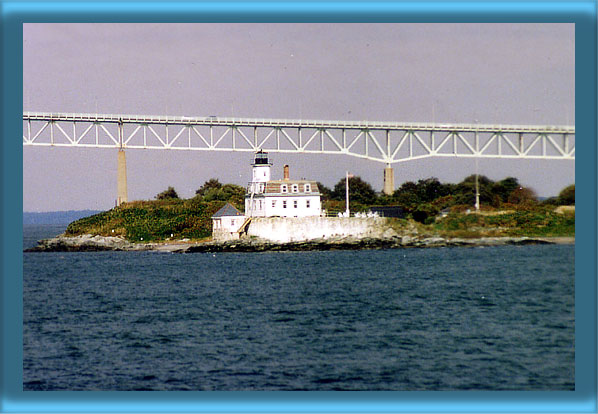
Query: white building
{"points": [[227, 222], [279, 198]]}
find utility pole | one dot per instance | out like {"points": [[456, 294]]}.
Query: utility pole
{"points": [[477, 187], [477, 194]]}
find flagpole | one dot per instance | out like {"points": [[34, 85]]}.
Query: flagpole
{"points": [[347, 194]]}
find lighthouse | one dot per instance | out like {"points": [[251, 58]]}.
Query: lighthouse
{"points": [[279, 198], [261, 172]]}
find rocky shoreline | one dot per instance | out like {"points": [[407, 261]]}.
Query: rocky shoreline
{"points": [[86, 243]]}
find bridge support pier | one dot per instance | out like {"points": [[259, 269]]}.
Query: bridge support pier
{"points": [[389, 180], [122, 194]]}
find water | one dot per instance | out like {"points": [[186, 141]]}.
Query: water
{"points": [[494, 318]]}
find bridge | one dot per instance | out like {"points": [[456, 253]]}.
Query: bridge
{"points": [[384, 142]]}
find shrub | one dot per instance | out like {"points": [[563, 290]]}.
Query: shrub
{"points": [[166, 194], [567, 196]]}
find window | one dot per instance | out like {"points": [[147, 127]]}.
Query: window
{"points": [[295, 203], [295, 188], [232, 222], [307, 203], [284, 188], [261, 189], [307, 189], [284, 203], [273, 203], [260, 204]]}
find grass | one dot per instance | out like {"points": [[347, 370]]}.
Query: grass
{"points": [[148, 221], [539, 222]]}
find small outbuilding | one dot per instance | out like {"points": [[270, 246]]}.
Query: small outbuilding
{"points": [[388, 211], [227, 223]]}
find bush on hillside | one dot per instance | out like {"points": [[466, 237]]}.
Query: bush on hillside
{"points": [[168, 193]]}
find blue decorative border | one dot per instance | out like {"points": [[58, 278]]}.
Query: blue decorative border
{"points": [[14, 14]]}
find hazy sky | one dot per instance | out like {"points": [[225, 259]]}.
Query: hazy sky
{"points": [[461, 73]]}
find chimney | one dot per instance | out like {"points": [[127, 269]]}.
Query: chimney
{"points": [[286, 172]]}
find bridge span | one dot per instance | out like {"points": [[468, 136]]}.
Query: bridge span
{"points": [[384, 142]]}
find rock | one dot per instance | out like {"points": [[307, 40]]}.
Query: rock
{"points": [[432, 242], [386, 240], [389, 234], [85, 242], [407, 240]]}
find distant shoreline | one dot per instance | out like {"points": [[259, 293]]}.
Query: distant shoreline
{"points": [[56, 217]]}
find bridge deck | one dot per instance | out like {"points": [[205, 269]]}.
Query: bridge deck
{"points": [[294, 123], [387, 142]]}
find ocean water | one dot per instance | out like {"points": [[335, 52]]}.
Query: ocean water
{"points": [[493, 318]]}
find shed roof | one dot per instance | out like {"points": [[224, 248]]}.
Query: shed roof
{"points": [[227, 211]]}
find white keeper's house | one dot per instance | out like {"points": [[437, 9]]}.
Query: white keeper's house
{"points": [[227, 223], [279, 198]]}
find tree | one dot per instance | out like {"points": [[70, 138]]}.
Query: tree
{"points": [[208, 185], [169, 193], [465, 190], [504, 188], [430, 189], [325, 192], [359, 191], [235, 194], [410, 194], [522, 195], [407, 199], [567, 196]]}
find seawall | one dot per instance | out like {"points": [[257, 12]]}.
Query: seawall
{"points": [[287, 230]]}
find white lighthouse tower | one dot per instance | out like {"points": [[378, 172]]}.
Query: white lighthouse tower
{"points": [[261, 175], [261, 172]]}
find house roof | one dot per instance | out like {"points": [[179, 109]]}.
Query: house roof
{"points": [[274, 187], [227, 211]]}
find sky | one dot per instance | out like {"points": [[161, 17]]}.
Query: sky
{"points": [[450, 73]]}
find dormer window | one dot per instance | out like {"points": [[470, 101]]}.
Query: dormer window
{"points": [[284, 188], [307, 188], [295, 188]]}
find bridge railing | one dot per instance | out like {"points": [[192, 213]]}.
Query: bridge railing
{"points": [[306, 123]]}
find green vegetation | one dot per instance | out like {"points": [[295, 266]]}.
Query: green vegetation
{"points": [[212, 190], [148, 221], [541, 221], [431, 208], [169, 193], [567, 196], [167, 217], [425, 199]]}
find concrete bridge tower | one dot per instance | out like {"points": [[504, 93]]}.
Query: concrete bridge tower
{"points": [[121, 186], [389, 180], [121, 179]]}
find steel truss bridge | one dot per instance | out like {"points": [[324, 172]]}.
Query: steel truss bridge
{"points": [[385, 142]]}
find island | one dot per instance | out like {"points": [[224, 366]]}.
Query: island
{"points": [[185, 226]]}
